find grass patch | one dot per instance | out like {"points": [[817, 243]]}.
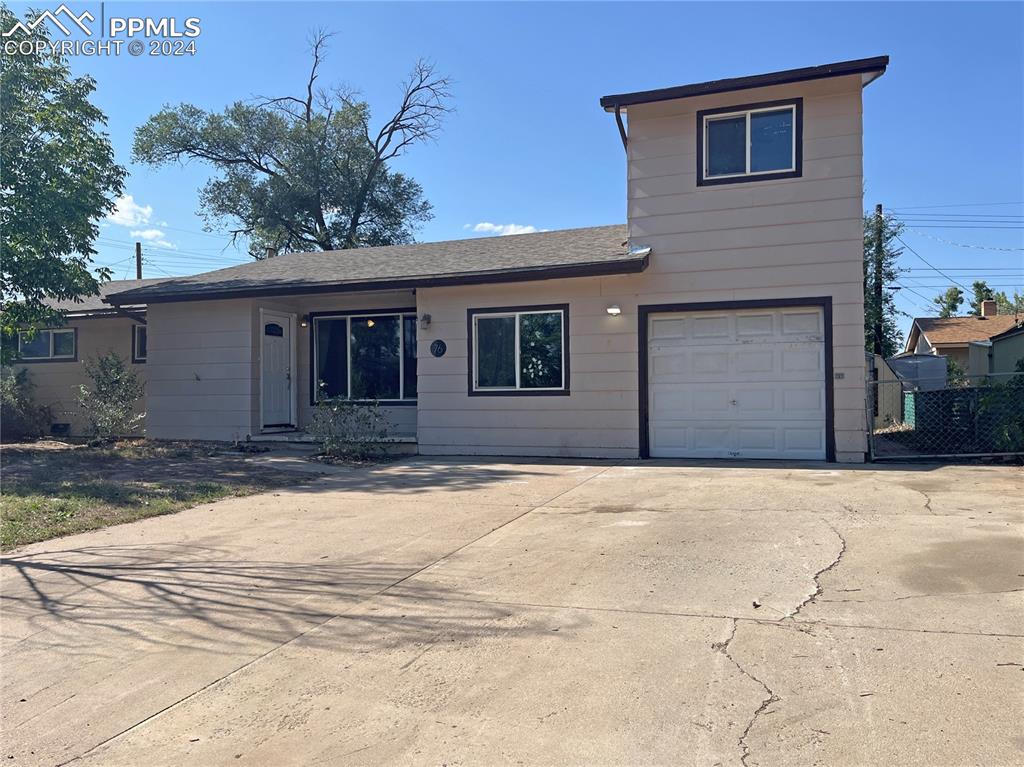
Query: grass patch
{"points": [[53, 490]]}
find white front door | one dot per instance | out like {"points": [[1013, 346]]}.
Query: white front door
{"points": [[737, 384], [276, 369]]}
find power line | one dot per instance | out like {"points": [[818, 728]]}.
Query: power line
{"points": [[966, 245], [959, 205], [930, 264]]}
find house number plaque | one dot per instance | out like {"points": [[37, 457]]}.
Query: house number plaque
{"points": [[438, 348]]}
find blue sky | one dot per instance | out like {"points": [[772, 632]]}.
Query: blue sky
{"points": [[529, 144]]}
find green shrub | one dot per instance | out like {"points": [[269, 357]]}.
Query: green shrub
{"points": [[352, 430], [20, 416], [109, 404]]}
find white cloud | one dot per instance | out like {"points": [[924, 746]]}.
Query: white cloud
{"points": [[486, 227], [153, 237], [127, 212]]}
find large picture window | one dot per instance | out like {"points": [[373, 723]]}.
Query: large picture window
{"points": [[47, 345], [365, 356], [748, 143], [520, 350]]}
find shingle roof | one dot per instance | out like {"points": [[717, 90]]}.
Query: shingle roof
{"points": [[92, 305], [962, 330], [869, 69], [544, 255]]}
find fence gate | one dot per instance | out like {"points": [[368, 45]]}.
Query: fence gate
{"points": [[982, 415]]}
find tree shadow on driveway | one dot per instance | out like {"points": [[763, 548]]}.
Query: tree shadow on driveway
{"points": [[96, 601]]}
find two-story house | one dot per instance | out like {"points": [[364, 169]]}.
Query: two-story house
{"points": [[725, 319]]}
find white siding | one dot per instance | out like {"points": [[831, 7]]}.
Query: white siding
{"points": [[204, 364], [782, 239], [200, 370], [56, 383]]}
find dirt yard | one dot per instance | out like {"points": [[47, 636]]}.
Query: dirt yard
{"points": [[53, 488]]}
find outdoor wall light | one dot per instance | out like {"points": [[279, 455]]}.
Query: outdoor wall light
{"points": [[304, 321], [424, 321], [614, 310]]}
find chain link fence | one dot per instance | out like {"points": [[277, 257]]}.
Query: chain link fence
{"points": [[981, 415]]}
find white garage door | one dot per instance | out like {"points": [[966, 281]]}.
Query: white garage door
{"points": [[737, 384]]}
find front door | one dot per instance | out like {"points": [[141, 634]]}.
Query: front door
{"points": [[277, 369]]}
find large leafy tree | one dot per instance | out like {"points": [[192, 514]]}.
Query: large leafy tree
{"points": [[949, 302], [305, 172], [58, 178], [1007, 305], [982, 292], [880, 269]]}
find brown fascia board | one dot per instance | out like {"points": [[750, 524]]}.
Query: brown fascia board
{"points": [[589, 269], [876, 64]]}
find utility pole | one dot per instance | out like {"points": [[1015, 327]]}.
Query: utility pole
{"points": [[138, 260], [879, 265]]}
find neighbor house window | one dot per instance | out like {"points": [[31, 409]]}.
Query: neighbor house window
{"points": [[138, 343], [522, 350], [761, 141], [365, 356], [47, 345]]}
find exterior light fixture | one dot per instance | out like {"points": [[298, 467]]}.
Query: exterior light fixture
{"points": [[424, 320], [614, 310], [304, 321]]}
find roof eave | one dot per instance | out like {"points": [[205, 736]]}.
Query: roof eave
{"points": [[871, 68], [588, 269]]}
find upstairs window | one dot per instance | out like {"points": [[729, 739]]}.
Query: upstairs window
{"points": [[749, 143], [47, 345]]}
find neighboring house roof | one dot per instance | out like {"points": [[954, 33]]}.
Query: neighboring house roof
{"points": [[1016, 330], [96, 306], [959, 331], [546, 255], [871, 68]]}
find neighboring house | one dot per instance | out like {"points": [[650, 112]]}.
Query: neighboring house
{"points": [[1006, 351], [724, 320], [54, 357], [952, 336]]}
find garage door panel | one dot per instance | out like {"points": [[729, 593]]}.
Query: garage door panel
{"points": [[755, 326], [710, 363], [799, 322], [756, 361], [803, 400], [802, 360], [719, 326], [738, 384]]}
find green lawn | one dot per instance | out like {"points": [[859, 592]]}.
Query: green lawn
{"points": [[51, 490]]}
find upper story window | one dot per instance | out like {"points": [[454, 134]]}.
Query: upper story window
{"points": [[752, 142], [47, 345], [519, 350]]}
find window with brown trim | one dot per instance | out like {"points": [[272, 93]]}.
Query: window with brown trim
{"points": [[751, 142], [48, 345], [519, 350]]}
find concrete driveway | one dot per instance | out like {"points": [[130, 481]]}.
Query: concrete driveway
{"points": [[444, 612]]}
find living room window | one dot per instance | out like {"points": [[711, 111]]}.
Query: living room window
{"points": [[750, 143], [519, 350], [49, 345], [365, 356]]}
